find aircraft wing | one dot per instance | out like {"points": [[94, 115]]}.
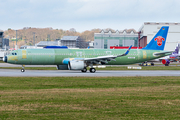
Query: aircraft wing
{"points": [[106, 58]]}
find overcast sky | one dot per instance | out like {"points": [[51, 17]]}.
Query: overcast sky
{"points": [[86, 14]]}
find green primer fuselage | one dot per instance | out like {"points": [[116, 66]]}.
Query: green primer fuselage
{"points": [[56, 56]]}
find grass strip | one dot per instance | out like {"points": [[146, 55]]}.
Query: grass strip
{"points": [[89, 98]]}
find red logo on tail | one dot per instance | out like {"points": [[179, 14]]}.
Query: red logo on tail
{"points": [[159, 40]]}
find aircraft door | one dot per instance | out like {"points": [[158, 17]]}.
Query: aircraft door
{"points": [[26, 57], [24, 54], [144, 54]]}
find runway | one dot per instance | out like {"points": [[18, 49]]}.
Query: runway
{"points": [[67, 73], [15, 65]]}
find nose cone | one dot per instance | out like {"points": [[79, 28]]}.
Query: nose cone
{"points": [[5, 59]]}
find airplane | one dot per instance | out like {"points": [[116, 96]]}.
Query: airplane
{"points": [[80, 59], [174, 57]]}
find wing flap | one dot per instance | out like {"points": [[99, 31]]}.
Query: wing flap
{"points": [[100, 58], [106, 58]]}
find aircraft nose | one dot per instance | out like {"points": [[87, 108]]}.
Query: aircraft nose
{"points": [[5, 58]]}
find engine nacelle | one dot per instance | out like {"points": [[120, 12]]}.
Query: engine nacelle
{"points": [[76, 65], [66, 61], [165, 62]]}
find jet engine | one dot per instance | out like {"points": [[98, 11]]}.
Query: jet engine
{"points": [[74, 64], [165, 62]]}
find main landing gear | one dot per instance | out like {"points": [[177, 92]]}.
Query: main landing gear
{"points": [[23, 70], [92, 70], [84, 70]]}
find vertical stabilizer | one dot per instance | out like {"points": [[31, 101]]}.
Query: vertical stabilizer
{"points": [[176, 51], [159, 40]]}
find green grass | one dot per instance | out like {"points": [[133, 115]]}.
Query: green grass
{"points": [[2, 61], [107, 98], [107, 68]]}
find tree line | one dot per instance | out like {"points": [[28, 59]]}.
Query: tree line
{"points": [[27, 35]]}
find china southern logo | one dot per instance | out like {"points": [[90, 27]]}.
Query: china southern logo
{"points": [[159, 40]]}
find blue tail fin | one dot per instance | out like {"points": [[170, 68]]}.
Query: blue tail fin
{"points": [[159, 40]]}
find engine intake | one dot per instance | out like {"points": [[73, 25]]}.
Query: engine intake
{"points": [[165, 62]]}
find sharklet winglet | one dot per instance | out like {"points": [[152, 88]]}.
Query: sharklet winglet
{"points": [[126, 53]]}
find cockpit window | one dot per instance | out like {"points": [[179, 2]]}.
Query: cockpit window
{"points": [[14, 53]]}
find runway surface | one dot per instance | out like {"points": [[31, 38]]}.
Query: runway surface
{"points": [[67, 73], [15, 65]]}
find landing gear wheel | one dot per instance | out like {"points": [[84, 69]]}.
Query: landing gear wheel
{"points": [[152, 64], [166, 64], [84, 70], [22, 70], [92, 70]]}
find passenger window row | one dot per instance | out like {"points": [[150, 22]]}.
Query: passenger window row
{"points": [[66, 54]]}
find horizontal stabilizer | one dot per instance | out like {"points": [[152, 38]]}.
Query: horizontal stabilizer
{"points": [[164, 53]]}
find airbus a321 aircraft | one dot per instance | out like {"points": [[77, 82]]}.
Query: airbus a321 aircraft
{"points": [[80, 59]]}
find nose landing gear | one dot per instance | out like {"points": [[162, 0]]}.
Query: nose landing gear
{"points": [[23, 70]]}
